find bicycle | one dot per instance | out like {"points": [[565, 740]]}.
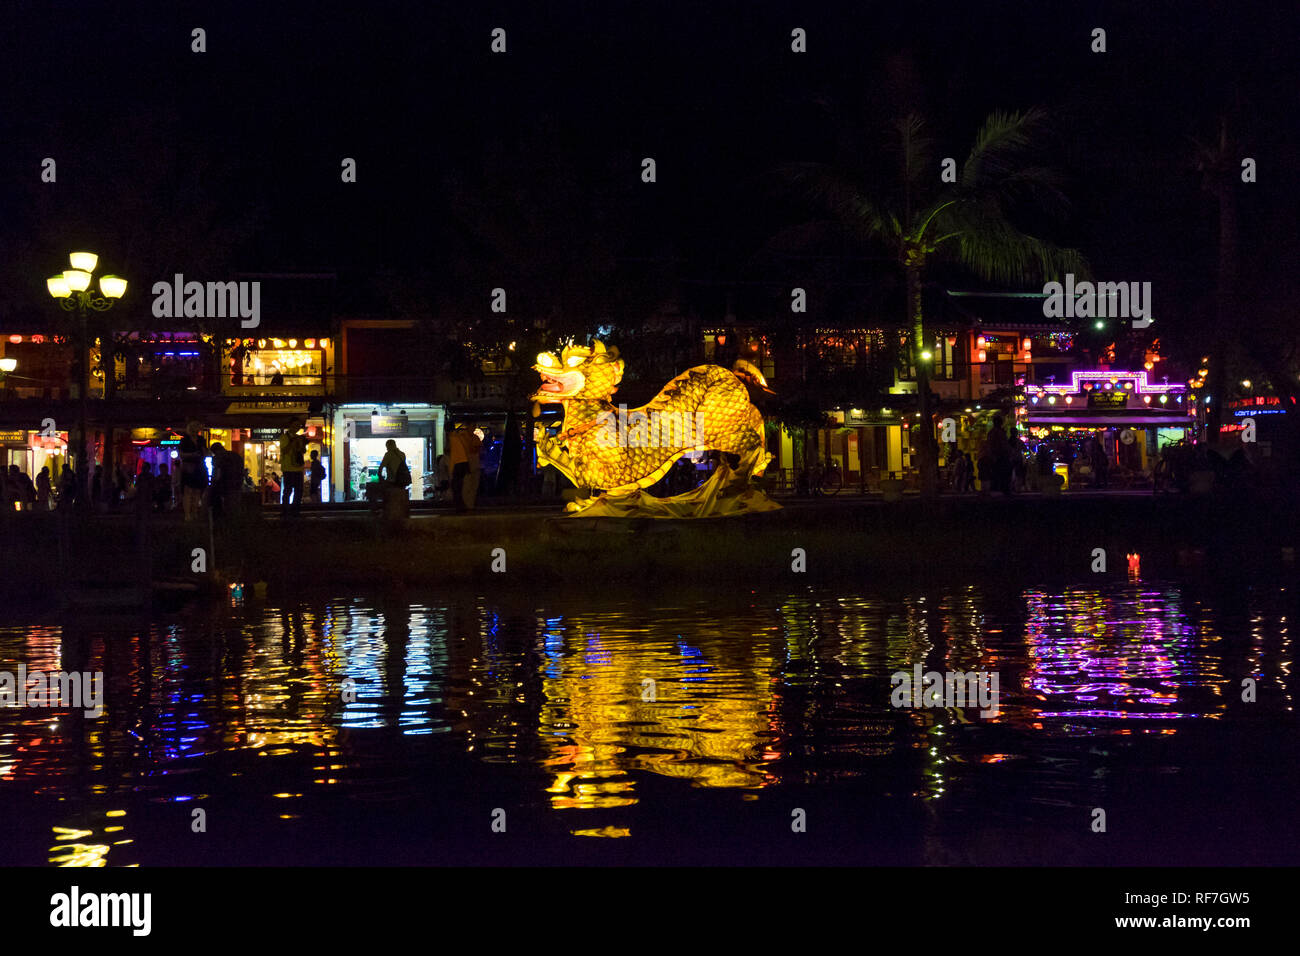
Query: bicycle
{"points": [[826, 478]]}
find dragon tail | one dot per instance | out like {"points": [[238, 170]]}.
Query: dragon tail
{"points": [[748, 372]]}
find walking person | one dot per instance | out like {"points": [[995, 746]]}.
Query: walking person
{"points": [[194, 470], [292, 449]]}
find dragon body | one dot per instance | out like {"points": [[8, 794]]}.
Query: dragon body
{"points": [[619, 451]]}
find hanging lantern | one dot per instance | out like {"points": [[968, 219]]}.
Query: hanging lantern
{"points": [[980, 342], [983, 355], [1027, 344]]}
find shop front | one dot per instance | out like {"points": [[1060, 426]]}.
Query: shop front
{"points": [[253, 430], [362, 433], [1130, 419], [33, 450]]}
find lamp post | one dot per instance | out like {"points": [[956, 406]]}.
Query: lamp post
{"points": [[72, 288], [7, 365]]}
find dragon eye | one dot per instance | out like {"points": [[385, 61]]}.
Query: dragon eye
{"points": [[544, 358], [574, 360]]}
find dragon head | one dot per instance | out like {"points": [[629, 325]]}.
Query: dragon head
{"points": [[578, 372]]}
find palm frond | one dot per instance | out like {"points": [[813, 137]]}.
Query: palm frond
{"points": [[999, 147], [996, 251], [835, 194], [915, 147]]}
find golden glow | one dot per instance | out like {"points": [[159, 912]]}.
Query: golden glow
{"points": [[8, 364], [85, 261], [78, 281], [624, 450], [58, 286]]}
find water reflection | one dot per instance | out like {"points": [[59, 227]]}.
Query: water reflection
{"points": [[278, 713]]}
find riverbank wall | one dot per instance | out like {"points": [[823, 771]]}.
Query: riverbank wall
{"points": [[808, 544]]}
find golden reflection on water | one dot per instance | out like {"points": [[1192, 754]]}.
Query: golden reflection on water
{"points": [[764, 691], [619, 701]]}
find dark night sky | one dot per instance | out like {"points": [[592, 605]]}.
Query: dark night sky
{"points": [[159, 147]]}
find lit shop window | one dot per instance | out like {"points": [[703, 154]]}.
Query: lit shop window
{"points": [[272, 366]]}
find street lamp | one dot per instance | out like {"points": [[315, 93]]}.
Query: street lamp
{"points": [[7, 365], [72, 289]]}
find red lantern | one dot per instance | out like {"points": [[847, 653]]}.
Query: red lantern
{"points": [[1027, 344], [983, 356]]}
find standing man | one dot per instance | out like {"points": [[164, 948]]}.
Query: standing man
{"points": [[292, 449], [315, 475], [459, 465], [474, 456], [194, 470], [393, 472]]}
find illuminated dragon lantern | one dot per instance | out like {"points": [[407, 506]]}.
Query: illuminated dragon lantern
{"points": [[611, 453]]}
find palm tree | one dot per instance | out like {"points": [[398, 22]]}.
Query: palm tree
{"points": [[1219, 166], [920, 219]]}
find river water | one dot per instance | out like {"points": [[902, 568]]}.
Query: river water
{"points": [[588, 727]]}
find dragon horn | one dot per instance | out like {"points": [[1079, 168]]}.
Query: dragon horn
{"points": [[598, 346]]}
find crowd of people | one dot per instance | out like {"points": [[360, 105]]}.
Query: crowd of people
{"points": [[1005, 464]]}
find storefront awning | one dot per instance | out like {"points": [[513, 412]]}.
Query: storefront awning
{"points": [[267, 408], [1116, 420]]}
